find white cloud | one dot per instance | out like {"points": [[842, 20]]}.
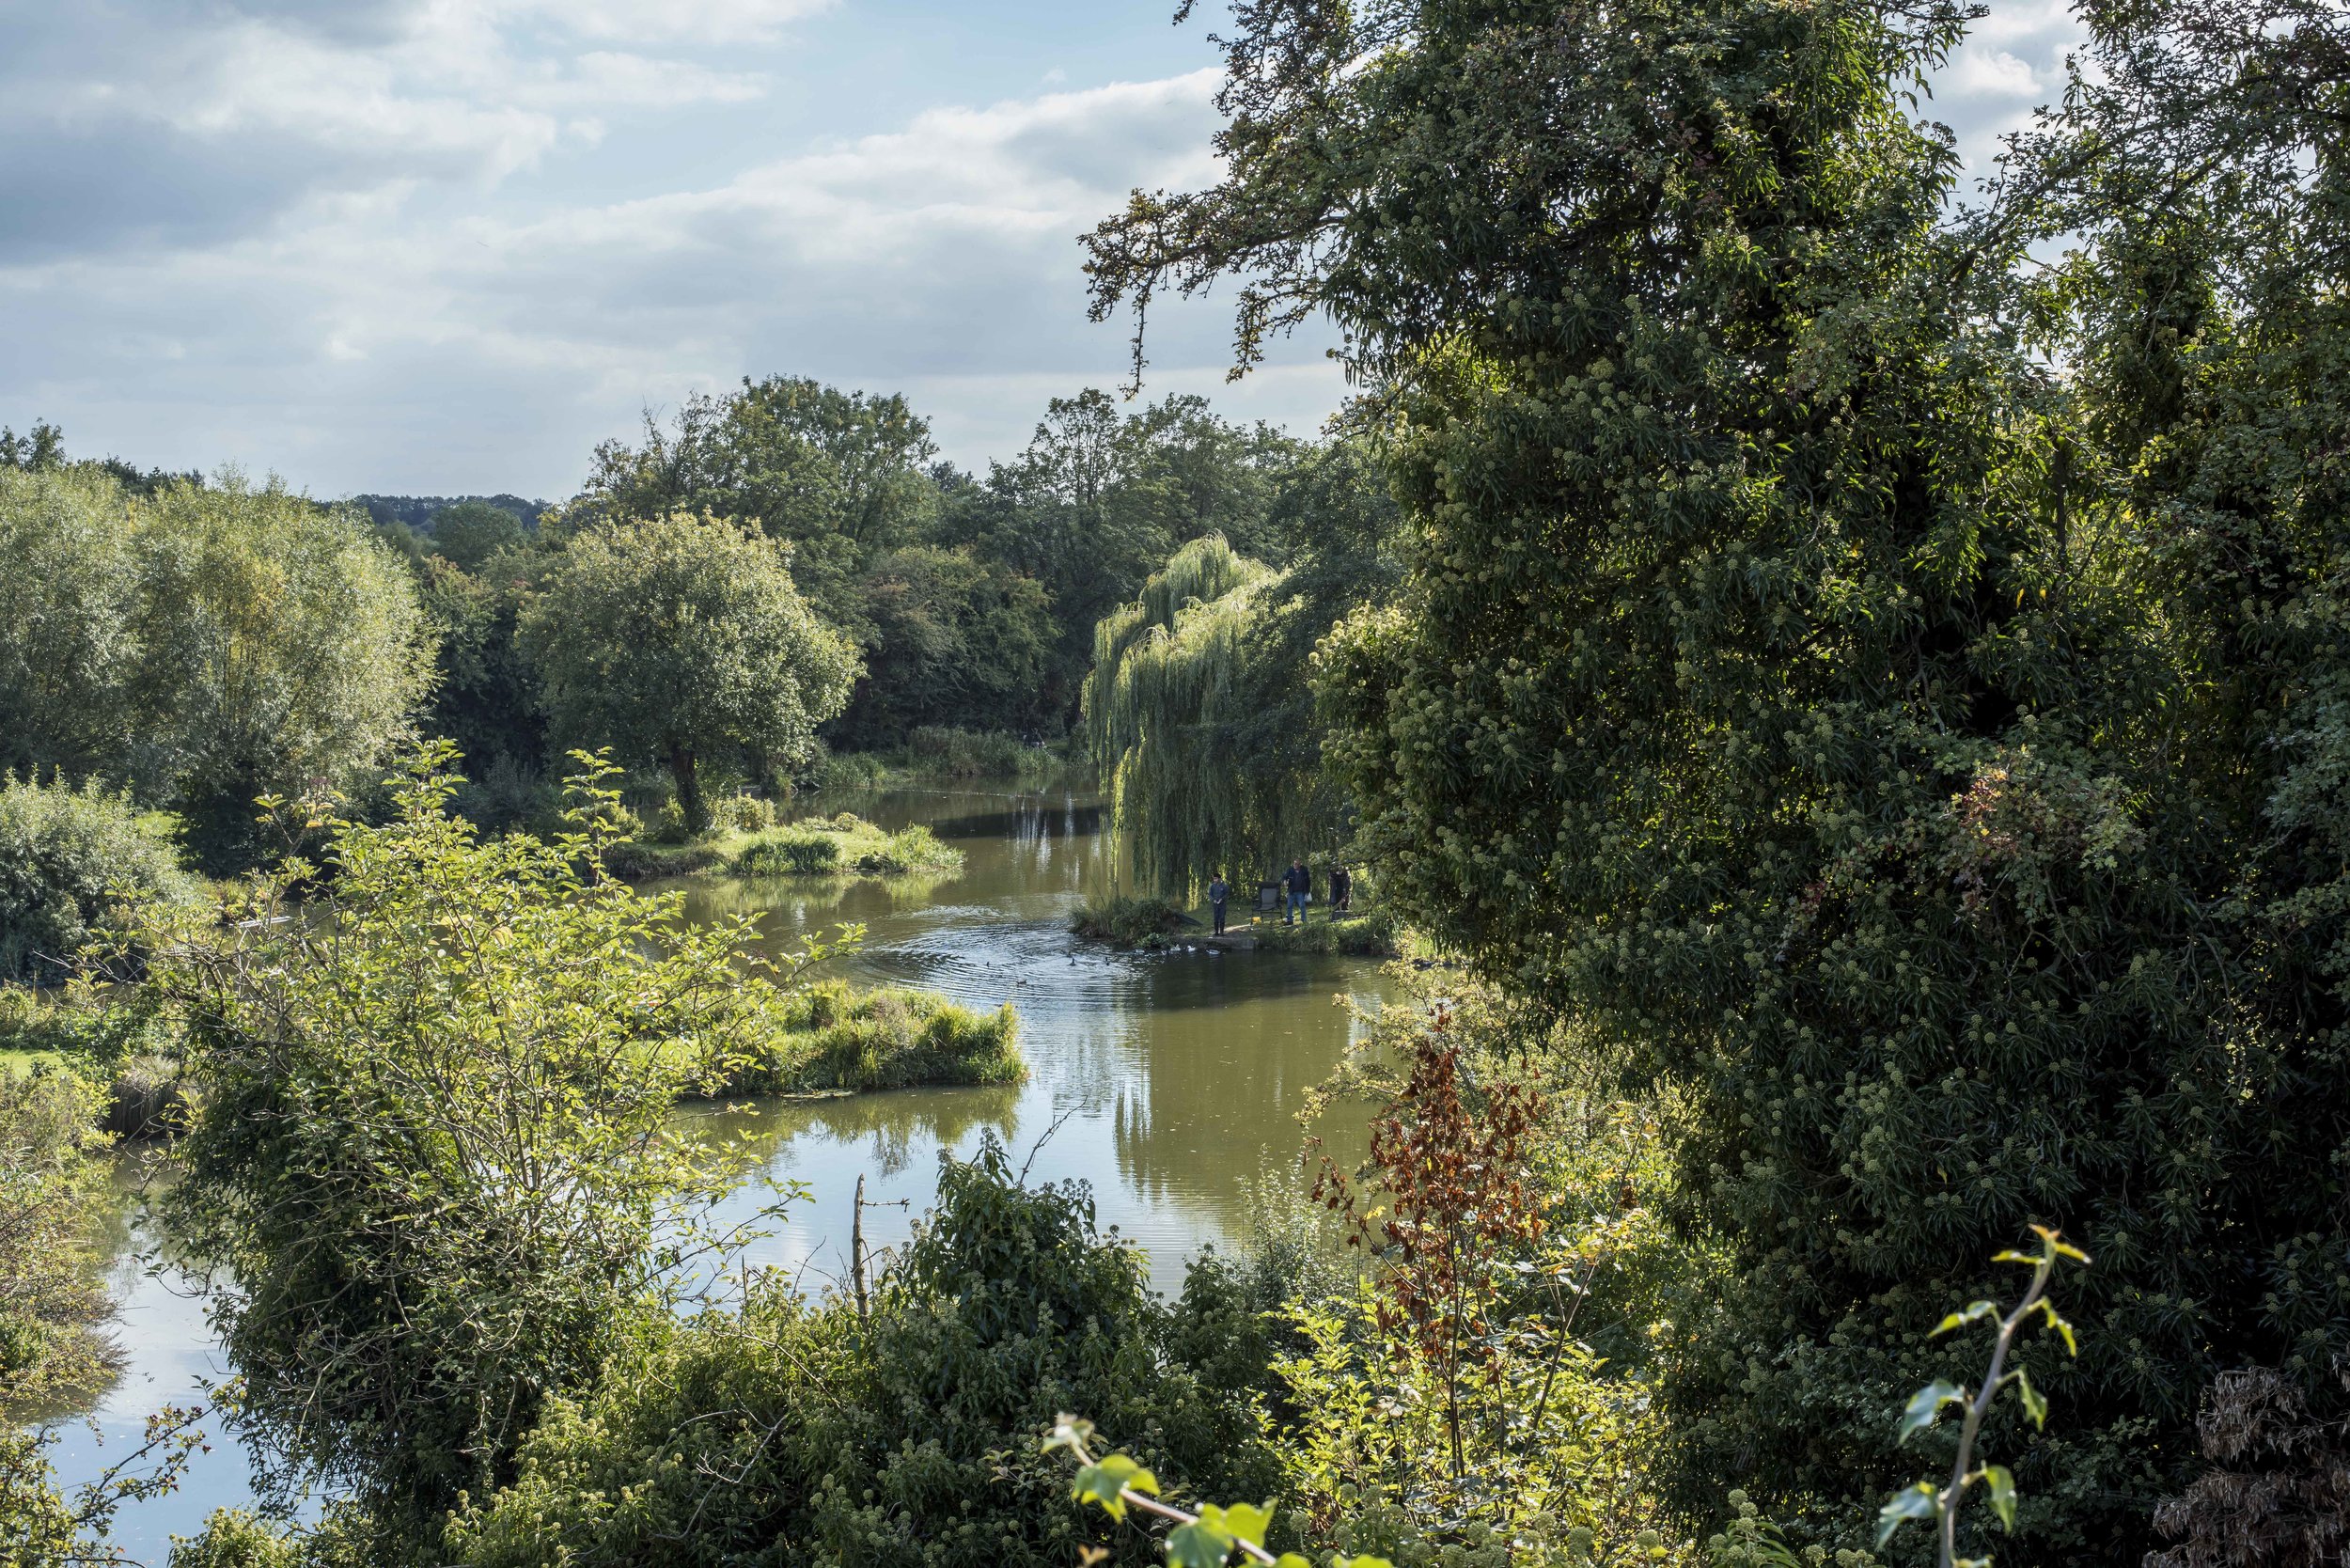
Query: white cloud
{"points": [[440, 246], [673, 21], [940, 257]]}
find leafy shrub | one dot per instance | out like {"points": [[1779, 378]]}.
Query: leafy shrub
{"points": [[70, 861], [433, 1145], [234, 1538], [53, 1181], [828, 1036], [1126, 922], [27, 1019], [742, 813], [52, 1289], [907, 1438]]}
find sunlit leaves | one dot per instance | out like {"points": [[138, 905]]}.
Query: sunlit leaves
{"points": [[2001, 1494], [1103, 1481]]}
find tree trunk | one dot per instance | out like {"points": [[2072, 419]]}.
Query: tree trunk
{"points": [[689, 790]]}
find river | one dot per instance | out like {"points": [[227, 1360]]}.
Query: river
{"points": [[1171, 1082]]}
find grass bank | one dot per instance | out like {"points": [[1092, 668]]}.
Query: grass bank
{"points": [[833, 1038], [1374, 933], [845, 845]]}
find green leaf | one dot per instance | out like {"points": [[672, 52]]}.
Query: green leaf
{"points": [[1959, 1319], [1917, 1502], [1198, 1545], [1292, 1559], [2056, 1320], [1103, 1481], [1366, 1560], [2034, 1405], [2002, 1487], [1925, 1404], [1242, 1521]]}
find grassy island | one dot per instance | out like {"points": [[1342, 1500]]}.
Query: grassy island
{"points": [[845, 845], [833, 1038]]}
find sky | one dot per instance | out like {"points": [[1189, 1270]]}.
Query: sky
{"points": [[445, 246]]}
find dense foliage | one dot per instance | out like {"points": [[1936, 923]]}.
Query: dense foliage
{"points": [[433, 1155], [1197, 708], [798, 1433], [55, 1184], [75, 865], [1930, 764], [206, 644], [972, 599], [675, 638]]}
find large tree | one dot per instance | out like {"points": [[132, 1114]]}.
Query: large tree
{"points": [[66, 600], [1199, 706], [1931, 767], [672, 638], [208, 644], [841, 475], [1099, 500]]}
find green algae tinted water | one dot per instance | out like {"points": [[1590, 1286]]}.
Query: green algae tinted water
{"points": [[1171, 1082]]}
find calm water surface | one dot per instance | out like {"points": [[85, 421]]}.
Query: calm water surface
{"points": [[1171, 1082]]}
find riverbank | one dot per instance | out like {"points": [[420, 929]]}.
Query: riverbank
{"points": [[1156, 925]]}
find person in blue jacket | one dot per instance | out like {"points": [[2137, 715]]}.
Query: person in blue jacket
{"points": [[1218, 891], [1301, 885]]}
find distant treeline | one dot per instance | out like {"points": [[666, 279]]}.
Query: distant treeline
{"points": [[772, 573], [417, 512]]}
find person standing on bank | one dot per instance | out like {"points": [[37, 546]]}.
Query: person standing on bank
{"points": [[1218, 891], [1341, 890], [1301, 885]]}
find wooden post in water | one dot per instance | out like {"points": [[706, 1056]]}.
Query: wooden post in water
{"points": [[856, 1250]]}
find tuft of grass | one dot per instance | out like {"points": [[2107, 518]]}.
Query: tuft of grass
{"points": [[830, 1038], [1374, 934], [845, 845], [1128, 922]]}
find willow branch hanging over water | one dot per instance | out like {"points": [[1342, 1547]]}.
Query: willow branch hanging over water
{"points": [[1199, 719]]}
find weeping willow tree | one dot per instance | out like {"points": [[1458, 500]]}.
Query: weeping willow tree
{"points": [[1198, 715]]}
